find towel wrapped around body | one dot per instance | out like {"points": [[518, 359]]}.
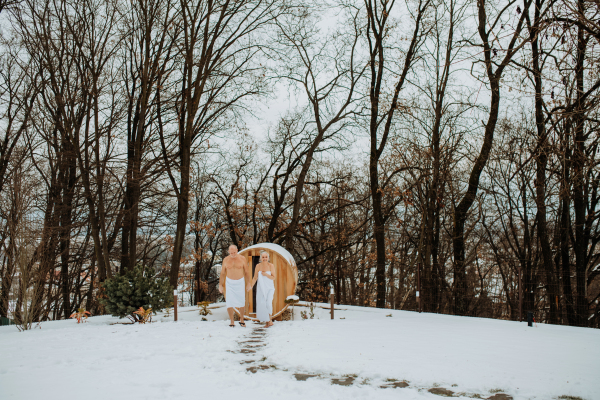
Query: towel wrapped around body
{"points": [[264, 298], [235, 294]]}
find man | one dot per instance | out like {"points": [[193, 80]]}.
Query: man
{"points": [[235, 273]]}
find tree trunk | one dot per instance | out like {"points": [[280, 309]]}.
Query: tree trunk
{"points": [[7, 280], [379, 233], [565, 227], [182, 212], [376, 34], [461, 211], [541, 157], [579, 201], [66, 210]]}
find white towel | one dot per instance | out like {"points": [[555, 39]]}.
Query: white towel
{"points": [[264, 297], [235, 293]]}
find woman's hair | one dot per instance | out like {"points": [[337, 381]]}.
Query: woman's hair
{"points": [[268, 256]]}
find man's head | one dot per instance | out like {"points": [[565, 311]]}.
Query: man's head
{"points": [[233, 250]]}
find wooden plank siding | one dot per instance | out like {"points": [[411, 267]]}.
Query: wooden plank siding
{"points": [[285, 282]]}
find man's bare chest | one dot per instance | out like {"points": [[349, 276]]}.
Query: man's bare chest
{"points": [[237, 264]]}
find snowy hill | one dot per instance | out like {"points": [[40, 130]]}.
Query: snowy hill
{"points": [[362, 354]]}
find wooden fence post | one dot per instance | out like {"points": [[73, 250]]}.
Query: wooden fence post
{"points": [[331, 300], [520, 296], [419, 285]]}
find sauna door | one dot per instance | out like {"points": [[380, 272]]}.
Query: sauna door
{"points": [[255, 261]]}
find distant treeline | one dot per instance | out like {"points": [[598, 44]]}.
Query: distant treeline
{"points": [[438, 155]]}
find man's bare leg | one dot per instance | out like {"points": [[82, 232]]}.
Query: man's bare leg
{"points": [[242, 311], [230, 312]]}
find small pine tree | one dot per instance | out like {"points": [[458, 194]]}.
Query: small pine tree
{"points": [[138, 287]]}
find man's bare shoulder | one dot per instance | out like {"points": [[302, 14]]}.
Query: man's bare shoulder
{"points": [[227, 260]]}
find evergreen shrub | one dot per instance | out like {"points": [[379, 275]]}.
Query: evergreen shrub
{"points": [[138, 287]]}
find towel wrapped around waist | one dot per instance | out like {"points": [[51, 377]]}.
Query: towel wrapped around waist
{"points": [[235, 294]]}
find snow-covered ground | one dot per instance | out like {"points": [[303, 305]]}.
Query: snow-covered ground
{"points": [[304, 359]]}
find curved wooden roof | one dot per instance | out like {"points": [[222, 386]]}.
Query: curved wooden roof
{"points": [[273, 247]]}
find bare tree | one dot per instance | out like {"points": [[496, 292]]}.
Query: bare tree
{"points": [[495, 61], [217, 73], [151, 32], [327, 72], [18, 91]]}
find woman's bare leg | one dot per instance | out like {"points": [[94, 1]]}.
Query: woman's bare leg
{"points": [[242, 311], [230, 312]]}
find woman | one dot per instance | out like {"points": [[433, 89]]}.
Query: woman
{"points": [[265, 275]]}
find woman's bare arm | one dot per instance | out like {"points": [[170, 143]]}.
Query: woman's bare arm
{"points": [[272, 276]]}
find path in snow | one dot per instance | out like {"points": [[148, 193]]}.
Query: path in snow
{"points": [[252, 344]]}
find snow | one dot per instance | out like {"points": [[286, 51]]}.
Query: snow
{"points": [[477, 355], [276, 248], [198, 359]]}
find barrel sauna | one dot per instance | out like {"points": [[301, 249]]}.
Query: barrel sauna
{"points": [[286, 275]]}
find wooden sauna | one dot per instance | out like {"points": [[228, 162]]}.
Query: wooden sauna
{"points": [[286, 275]]}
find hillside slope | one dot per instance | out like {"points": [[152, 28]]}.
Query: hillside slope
{"points": [[352, 356]]}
